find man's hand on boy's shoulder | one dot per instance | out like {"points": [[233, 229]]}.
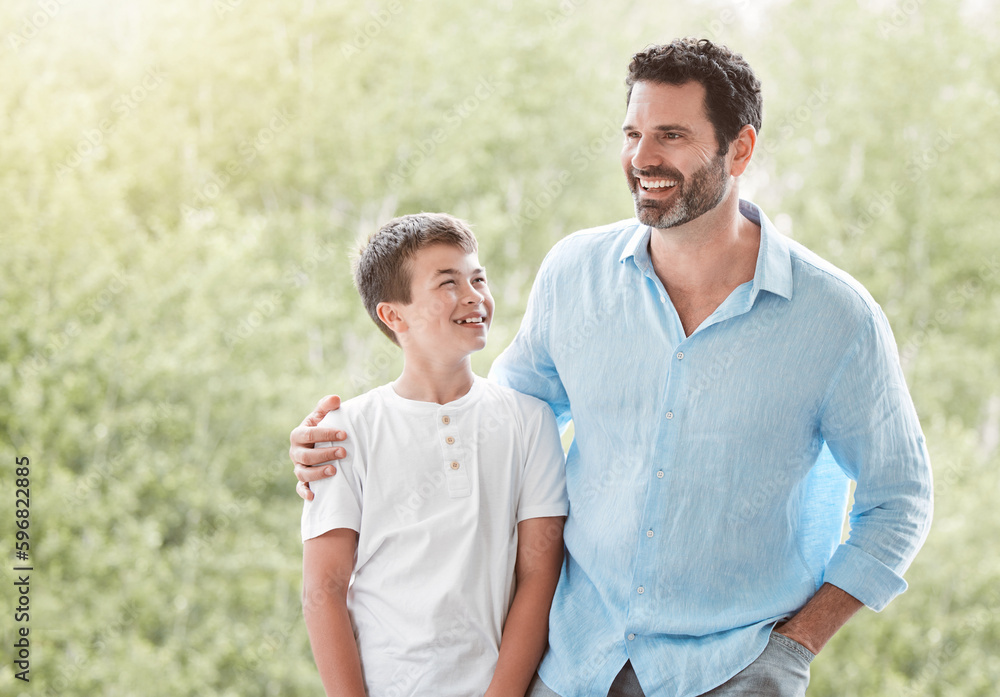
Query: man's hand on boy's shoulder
{"points": [[305, 456]]}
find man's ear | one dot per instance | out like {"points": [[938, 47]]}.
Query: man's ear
{"points": [[391, 316], [741, 150]]}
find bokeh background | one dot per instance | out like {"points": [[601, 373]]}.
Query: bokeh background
{"points": [[181, 184]]}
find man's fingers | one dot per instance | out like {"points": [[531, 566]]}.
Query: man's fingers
{"points": [[310, 457], [307, 436], [303, 490], [311, 474], [329, 403]]}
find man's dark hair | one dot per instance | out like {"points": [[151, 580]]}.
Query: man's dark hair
{"points": [[382, 267], [732, 91]]}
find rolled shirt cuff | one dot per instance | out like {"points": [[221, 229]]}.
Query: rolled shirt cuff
{"points": [[866, 578]]}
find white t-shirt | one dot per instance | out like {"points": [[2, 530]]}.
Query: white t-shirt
{"points": [[435, 492]]}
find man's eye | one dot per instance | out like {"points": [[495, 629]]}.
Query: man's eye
{"points": [[444, 283], [481, 279]]}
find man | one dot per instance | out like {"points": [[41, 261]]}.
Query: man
{"points": [[711, 367]]}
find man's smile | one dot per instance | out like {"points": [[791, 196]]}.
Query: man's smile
{"points": [[657, 184]]}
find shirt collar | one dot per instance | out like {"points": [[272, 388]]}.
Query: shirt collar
{"points": [[773, 272]]}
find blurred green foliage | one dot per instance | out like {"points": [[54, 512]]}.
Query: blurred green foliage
{"points": [[181, 185]]}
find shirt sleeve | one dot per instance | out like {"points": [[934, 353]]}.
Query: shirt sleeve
{"points": [[872, 429], [337, 500], [527, 365], [543, 482]]}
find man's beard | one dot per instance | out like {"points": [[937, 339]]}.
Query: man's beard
{"points": [[698, 194]]}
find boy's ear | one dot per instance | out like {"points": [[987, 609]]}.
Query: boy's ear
{"points": [[391, 316]]}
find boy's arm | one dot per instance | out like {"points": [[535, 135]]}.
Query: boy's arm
{"points": [[526, 631], [327, 563]]}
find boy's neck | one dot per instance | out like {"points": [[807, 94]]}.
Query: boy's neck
{"points": [[426, 381]]}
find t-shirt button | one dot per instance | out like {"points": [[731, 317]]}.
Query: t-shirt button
{"points": [[455, 465], [446, 420], [449, 440]]}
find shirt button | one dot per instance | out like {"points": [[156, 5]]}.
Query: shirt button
{"points": [[631, 637], [670, 414], [449, 440], [680, 355], [640, 590], [663, 299], [649, 533], [659, 475], [446, 420], [455, 465]]}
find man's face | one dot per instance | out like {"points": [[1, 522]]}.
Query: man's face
{"points": [[670, 155], [450, 307]]}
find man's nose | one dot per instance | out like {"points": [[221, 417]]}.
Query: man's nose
{"points": [[645, 154]]}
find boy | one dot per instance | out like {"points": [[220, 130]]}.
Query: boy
{"points": [[449, 507]]}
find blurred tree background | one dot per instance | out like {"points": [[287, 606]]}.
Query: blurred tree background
{"points": [[183, 182]]}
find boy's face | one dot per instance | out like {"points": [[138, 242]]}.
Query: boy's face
{"points": [[451, 307]]}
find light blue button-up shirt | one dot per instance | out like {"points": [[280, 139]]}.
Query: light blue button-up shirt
{"points": [[704, 506]]}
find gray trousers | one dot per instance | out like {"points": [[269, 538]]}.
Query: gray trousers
{"points": [[781, 671]]}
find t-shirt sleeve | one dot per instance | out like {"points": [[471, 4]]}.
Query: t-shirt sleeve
{"points": [[543, 484], [337, 501]]}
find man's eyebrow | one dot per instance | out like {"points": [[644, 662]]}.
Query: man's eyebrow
{"points": [[670, 127]]}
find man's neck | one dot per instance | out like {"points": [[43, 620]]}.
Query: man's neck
{"points": [[701, 262], [424, 380]]}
